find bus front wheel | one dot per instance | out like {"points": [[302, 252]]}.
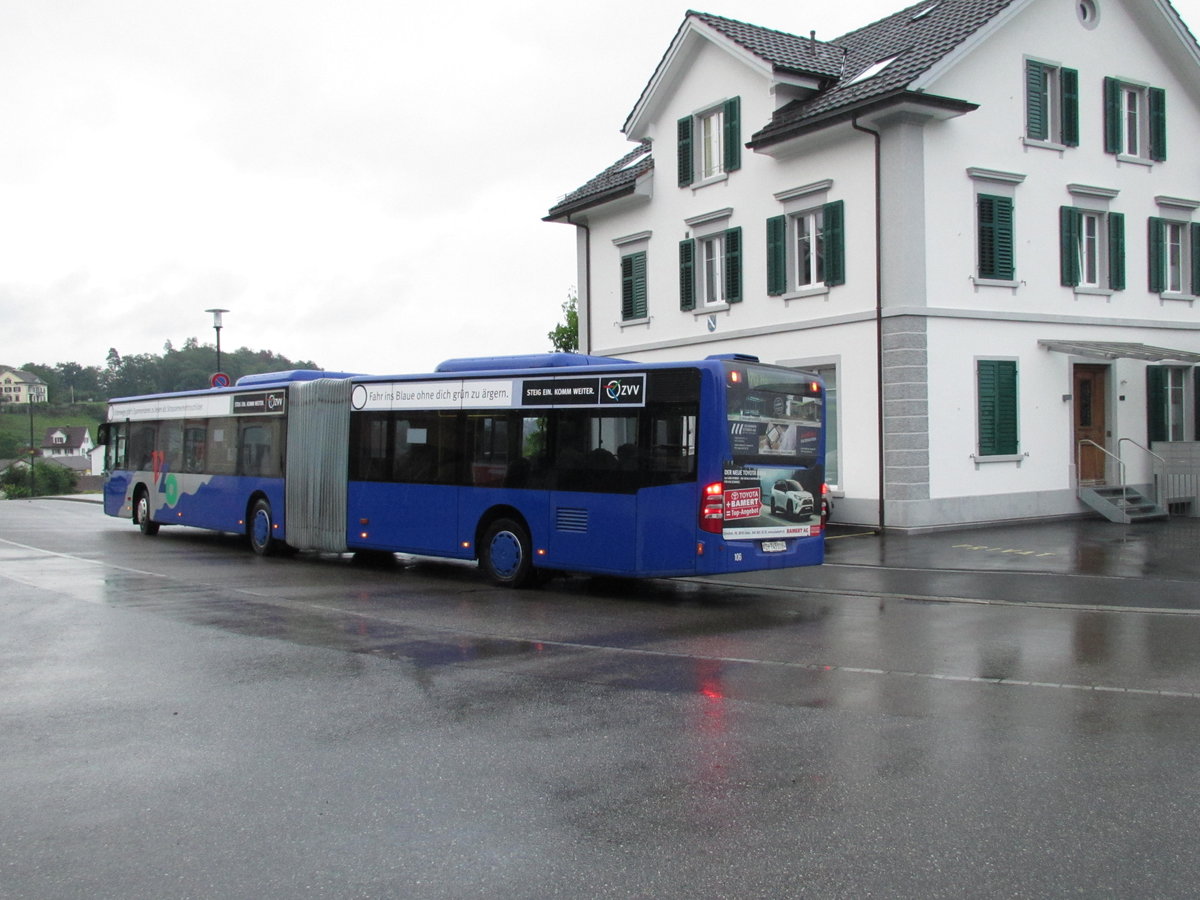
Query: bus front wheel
{"points": [[141, 514], [260, 528], [506, 554]]}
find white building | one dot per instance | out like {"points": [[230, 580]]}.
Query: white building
{"points": [[17, 386], [978, 219]]}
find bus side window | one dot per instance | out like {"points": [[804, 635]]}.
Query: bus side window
{"points": [[194, 439], [220, 452], [490, 454], [424, 448], [141, 446], [170, 445], [673, 454], [260, 449]]}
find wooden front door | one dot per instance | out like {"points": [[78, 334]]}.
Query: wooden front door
{"points": [[1090, 395]]}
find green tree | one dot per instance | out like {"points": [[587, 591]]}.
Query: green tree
{"points": [[565, 336], [48, 478]]}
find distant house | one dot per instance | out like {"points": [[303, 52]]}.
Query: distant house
{"points": [[67, 440], [978, 220], [17, 386]]}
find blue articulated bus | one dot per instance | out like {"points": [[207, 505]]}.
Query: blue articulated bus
{"points": [[532, 465]]}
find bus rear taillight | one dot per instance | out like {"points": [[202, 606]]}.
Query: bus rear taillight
{"points": [[712, 508]]}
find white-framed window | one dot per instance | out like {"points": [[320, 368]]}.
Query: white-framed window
{"points": [[1176, 410], [712, 269], [709, 143], [1171, 399], [1092, 238], [1174, 257], [806, 249], [710, 266], [712, 132], [809, 243], [1135, 121], [1051, 104], [1132, 120], [1089, 250]]}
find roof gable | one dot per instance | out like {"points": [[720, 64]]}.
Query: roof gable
{"points": [[775, 55]]}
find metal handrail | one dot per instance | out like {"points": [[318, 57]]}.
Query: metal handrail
{"points": [[1079, 461], [1155, 468]]}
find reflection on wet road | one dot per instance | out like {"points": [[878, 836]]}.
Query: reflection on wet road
{"points": [[791, 647]]}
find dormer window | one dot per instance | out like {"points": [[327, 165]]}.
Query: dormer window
{"points": [[710, 143]]}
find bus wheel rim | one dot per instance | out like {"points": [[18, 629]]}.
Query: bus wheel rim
{"points": [[506, 553], [262, 527]]}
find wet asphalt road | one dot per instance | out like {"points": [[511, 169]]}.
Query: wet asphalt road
{"points": [[953, 716]]}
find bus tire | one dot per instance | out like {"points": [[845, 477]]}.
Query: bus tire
{"points": [[141, 513], [506, 554], [260, 529]]}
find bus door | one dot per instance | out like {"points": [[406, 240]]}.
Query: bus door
{"points": [[507, 465], [403, 492], [594, 504]]}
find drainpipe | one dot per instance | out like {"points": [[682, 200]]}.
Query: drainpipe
{"points": [[878, 314], [587, 283]]}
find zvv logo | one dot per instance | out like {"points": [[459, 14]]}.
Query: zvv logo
{"points": [[625, 390]]}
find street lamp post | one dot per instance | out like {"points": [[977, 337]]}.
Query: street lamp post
{"points": [[216, 314], [32, 447]]}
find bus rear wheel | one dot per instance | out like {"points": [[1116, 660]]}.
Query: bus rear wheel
{"points": [[260, 528], [506, 554], [141, 513]]}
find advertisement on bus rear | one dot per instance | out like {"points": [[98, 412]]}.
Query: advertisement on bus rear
{"points": [[772, 483]]}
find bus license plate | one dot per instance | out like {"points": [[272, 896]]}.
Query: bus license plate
{"points": [[774, 546]]}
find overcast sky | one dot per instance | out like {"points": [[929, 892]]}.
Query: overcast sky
{"points": [[360, 182]]}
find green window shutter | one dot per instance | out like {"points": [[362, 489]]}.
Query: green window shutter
{"points": [[996, 237], [1069, 222], [1195, 235], [1116, 251], [733, 265], [687, 275], [834, 219], [1157, 238], [776, 255], [733, 134], [1156, 403], [1112, 115], [633, 286], [1036, 126], [1069, 85], [1196, 400], [687, 168], [1158, 123], [996, 382]]}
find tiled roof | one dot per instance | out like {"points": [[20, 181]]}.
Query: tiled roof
{"points": [[911, 40], [914, 39], [74, 434], [618, 180], [23, 376], [780, 49]]}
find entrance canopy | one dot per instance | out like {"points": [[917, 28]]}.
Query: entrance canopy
{"points": [[1120, 350]]}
